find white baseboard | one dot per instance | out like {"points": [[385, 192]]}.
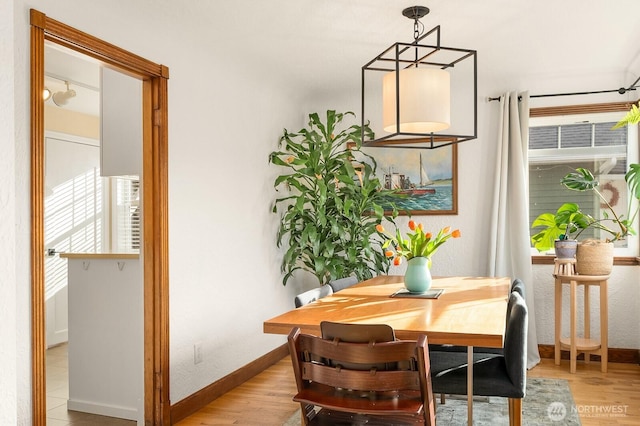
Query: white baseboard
{"points": [[103, 409]]}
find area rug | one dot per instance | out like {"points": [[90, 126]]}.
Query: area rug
{"points": [[548, 402]]}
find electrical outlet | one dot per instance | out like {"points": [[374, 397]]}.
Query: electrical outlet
{"points": [[197, 353]]}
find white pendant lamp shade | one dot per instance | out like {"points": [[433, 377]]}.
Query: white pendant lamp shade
{"points": [[425, 104]]}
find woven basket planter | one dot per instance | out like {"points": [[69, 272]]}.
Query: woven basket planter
{"points": [[594, 257]]}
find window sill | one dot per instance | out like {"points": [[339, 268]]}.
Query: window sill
{"points": [[619, 260]]}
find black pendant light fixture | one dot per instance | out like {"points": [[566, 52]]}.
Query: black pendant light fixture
{"points": [[425, 93]]}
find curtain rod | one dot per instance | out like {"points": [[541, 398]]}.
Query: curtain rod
{"points": [[621, 91]]}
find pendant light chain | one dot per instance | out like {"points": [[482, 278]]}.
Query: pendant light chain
{"points": [[418, 29]]}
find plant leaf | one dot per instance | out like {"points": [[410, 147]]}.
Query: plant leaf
{"points": [[580, 180], [633, 180], [632, 117]]}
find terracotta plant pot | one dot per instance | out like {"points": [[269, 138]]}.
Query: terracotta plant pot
{"points": [[594, 257]]}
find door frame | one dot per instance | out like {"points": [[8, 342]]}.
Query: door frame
{"points": [[155, 212]]}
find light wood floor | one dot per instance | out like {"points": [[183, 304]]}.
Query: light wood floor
{"points": [[611, 398]]}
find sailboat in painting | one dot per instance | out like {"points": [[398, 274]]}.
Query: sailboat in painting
{"points": [[403, 184]]}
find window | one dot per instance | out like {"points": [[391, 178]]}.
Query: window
{"points": [[83, 211], [560, 144], [125, 220]]}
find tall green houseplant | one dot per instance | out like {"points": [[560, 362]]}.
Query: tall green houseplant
{"points": [[332, 206]]}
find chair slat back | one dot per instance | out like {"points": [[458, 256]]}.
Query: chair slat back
{"points": [[357, 352], [359, 333], [375, 381]]}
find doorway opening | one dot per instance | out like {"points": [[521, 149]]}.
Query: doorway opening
{"points": [[154, 232]]}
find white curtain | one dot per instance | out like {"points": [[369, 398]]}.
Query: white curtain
{"points": [[510, 253]]}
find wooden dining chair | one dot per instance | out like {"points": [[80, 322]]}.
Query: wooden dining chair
{"points": [[500, 375], [312, 295], [330, 393]]}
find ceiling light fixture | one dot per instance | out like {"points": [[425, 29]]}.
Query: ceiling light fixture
{"points": [[61, 98], [46, 94], [429, 92]]}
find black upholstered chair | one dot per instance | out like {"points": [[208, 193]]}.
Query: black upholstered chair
{"points": [[518, 286], [343, 283], [479, 352], [312, 295], [500, 375]]}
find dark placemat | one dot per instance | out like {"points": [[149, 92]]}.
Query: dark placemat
{"points": [[432, 293]]}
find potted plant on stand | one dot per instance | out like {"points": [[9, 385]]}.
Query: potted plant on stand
{"points": [[595, 257], [560, 230], [329, 215]]}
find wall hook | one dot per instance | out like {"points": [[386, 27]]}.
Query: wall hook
{"points": [[121, 265], [85, 264]]}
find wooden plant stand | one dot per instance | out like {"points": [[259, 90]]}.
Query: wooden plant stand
{"points": [[564, 273]]}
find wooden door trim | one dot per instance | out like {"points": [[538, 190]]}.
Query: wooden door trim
{"points": [[155, 220]]}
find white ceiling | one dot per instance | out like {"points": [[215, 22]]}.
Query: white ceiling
{"points": [[325, 43], [319, 44]]}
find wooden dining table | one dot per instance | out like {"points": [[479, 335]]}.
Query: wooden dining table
{"points": [[471, 311]]}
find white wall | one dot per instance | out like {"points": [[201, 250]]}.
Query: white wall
{"points": [[225, 116], [225, 278], [9, 388]]}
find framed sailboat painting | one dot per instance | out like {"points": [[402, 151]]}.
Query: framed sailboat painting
{"points": [[427, 177]]}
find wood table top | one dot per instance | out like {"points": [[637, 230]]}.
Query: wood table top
{"points": [[470, 312]]}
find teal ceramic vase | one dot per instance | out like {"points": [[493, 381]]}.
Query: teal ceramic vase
{"points": [[417, 279]]}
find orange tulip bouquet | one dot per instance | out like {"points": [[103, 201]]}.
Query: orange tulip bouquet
{"points": [[417, 243]]}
